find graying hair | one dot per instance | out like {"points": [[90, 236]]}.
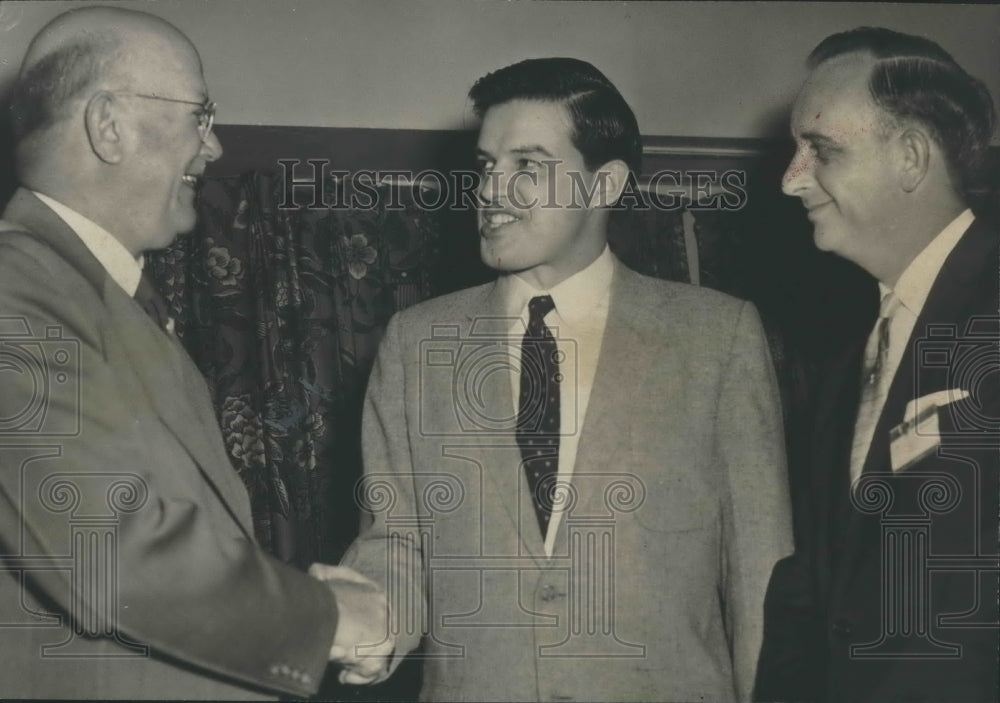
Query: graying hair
{"points": [[44, 92]]}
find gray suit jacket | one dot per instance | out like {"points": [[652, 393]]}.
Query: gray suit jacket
{"points": [[677, 510], [127, 563]]}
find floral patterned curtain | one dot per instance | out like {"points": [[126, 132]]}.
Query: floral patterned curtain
{"points": [[651, 241], [283, 309]]}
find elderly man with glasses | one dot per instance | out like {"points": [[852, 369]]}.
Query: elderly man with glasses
{"points": [[128, 567]]}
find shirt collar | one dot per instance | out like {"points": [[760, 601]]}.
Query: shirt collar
{"points": [[575, 298], [124, 269], [914, 285]]}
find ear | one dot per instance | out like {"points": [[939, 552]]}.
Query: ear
{"points": [[915, 151], [612, 178], [103, 130]]}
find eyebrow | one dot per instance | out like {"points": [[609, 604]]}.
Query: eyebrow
{"points": [[521, 150], [531, 149], [818, 138]]}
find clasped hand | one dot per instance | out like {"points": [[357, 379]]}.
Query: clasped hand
{"points": [[362, 645]]}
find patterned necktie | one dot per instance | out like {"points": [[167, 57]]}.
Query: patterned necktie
{"points": [[874, 384], [538, 408], [150, 300]]}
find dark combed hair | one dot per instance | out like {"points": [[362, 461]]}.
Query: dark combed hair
{"points": [[42, 93], [604, 126], [915, 79]]}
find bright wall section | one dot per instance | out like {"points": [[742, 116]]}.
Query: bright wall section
{"points": [[720, 69]]}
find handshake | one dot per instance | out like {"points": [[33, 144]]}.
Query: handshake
{"points": [[363, 645]]}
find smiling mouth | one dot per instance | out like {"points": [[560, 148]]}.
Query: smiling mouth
{"points": [[814, 208], [495, 220], [191, 180]]}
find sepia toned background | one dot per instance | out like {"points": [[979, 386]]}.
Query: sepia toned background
{"points": [[283, 308]]}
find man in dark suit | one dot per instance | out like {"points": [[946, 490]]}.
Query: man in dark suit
{"points": [[128, 567], [576, 472], [892, 594]]}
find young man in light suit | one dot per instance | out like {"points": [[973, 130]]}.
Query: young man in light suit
{"points": [[128, 567], [893, 591], [576, 473]]}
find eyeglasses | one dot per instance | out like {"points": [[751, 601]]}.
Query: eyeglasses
{"points": [[205, 113]]}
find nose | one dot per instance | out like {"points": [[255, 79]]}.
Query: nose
{"points": [[489, 186], [799, 173], [211, 147]]}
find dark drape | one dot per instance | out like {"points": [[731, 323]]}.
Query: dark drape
{"points": [[282, 310]]}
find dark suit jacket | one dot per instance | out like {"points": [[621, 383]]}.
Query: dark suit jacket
{"points": [[677, 513], [127, 563], [892, 594]]}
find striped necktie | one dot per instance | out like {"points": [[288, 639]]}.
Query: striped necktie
{"points": [[874, 384]]}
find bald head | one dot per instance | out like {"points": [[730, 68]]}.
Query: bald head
{"points": [[112, 119], [84, 50], [89, 23]]}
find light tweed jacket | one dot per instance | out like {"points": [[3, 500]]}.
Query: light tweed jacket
{"points": [[677, 513]]}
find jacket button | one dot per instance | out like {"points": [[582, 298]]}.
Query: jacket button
{"points": [[841, 627], [550, 593]]}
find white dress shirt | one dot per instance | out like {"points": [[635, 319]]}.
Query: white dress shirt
{"points": [[912, 289], [577, 322], [124, 269]]}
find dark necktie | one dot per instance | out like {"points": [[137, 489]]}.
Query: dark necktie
{"points": [[538, 409], [152, 302]]}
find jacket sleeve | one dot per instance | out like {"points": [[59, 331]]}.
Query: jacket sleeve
{"points": [[756, 510], [172, 580], [389, 550]]}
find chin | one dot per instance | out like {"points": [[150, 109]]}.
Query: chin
{"points": [[823, 239], [162, 242], [495, 259], [500, 264], [184, 226], [168, 235]]}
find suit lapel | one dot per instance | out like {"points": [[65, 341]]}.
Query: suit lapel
{"points": [[959, 287], [179, 399], [955, 289], [603, 440], [488, 318], [157, 360]]}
